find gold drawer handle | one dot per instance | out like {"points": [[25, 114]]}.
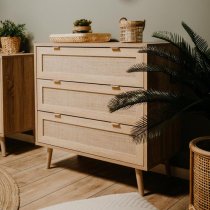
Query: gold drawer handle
{"points": [[57, 115], [57, 82], [115, 87], [116, 125], [56, 48], [115, 49]]}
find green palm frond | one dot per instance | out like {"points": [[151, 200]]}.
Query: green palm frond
{"points": [[158, 120], [179, 76], [184, 47], [174, 58], [153, 125], [142, 67], [201, 48], [161, 52], [131, 98], [188, 53], [199, 42], [202, 65], [174, 39]]}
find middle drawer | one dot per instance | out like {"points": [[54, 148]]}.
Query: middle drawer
{"points": [[84, 100]]}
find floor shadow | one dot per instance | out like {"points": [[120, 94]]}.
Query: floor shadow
{"points": [[96, 168], [17, 147], [166, 185], [154, 183]]}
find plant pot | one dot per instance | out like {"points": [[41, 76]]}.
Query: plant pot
{"points": [[82, 29], [200, 173], [10, 45]]}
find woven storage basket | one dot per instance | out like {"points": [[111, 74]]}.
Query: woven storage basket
{"points": [[131, 31], [10, 45], [200, 174]]}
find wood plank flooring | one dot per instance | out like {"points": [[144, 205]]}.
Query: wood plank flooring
{"points": [[73, 178]]}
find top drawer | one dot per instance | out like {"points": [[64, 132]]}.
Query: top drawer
{"points": [[90, 65]]}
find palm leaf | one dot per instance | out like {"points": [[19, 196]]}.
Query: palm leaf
{"points": [[158, 120], [199, 42], [185, 49], [174, 58], [142, 67], [161, 52], [175, 40], [131, 98], [152, 126], [179, 76]]}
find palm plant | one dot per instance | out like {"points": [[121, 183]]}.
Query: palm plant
{"points": [[190, 70]]}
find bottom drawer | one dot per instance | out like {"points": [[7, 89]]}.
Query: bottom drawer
{"points": [[98, 138]]}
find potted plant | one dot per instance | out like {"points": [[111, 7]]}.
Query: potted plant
{"points": [[82, 26], [11, 36], [191, 70]]}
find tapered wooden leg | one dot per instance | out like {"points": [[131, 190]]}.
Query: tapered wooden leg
{"points": [[49, 157], [3, 146], [168, 168], [140, 182]]}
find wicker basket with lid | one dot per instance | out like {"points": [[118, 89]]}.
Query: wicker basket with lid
{"points": [[131, 31]]}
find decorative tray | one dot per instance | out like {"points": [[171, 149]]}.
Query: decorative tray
{"points": [[80, 37]]}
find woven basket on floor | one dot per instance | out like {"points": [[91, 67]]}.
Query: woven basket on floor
{"points": [[9, 191], [10, 45], [131, 31], [200, 174]]}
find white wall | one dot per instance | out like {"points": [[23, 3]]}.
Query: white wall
{"points": [[44, 17]]}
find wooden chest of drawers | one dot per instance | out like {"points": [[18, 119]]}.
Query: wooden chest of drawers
{"points": [[74, 83]]}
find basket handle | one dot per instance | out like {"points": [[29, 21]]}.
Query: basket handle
{"points": [[123, 19]]}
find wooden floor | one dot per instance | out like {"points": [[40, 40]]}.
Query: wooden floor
{"points": [[73, 178]]}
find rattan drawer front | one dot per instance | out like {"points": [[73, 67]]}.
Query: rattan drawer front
{"points": [[89, 136], [84, 100], [91, 65]]}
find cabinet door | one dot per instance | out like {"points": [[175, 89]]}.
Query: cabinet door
{"points": [[93, 137], [1, 99], [90, 65], [84, 100], [18, 93]]}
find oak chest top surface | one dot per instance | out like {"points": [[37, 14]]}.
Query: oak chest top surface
{"points": [[88, 44]]}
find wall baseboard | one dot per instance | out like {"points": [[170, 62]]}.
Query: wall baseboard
{"points": [[175, 171]]}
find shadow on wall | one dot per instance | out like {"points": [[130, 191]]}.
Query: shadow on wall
{"points": [[27, 46], [193, 126]]}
